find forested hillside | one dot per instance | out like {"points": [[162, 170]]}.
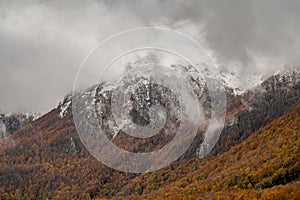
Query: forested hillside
{"points": [[264, 166]]}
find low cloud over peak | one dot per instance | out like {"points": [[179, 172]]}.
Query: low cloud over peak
{"points": [[44, 42]]}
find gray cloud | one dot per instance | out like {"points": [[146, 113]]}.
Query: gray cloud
{"points": [[42, 43], [243, 32]]}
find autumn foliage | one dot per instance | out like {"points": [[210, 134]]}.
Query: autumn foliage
{"points": [[48, 161]]}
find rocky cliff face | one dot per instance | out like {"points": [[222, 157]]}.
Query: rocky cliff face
{"points": [[144, 94], [246, 112]]}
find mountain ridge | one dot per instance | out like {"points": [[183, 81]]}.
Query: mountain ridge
{"points": [[48, 159]]}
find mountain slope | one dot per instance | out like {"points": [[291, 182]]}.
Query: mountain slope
{"points": [[269, 157], [48, 160]]}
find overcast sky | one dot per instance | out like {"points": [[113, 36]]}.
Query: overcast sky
{"points": [[42, 43]]}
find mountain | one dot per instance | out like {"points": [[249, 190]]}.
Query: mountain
{"points": [[264, 166], [48, 159], [9, 123], [147, 94]]}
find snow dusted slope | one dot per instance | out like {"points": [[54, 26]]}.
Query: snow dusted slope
{"points": [[231, 82], [9, 123], [101, 94]]}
